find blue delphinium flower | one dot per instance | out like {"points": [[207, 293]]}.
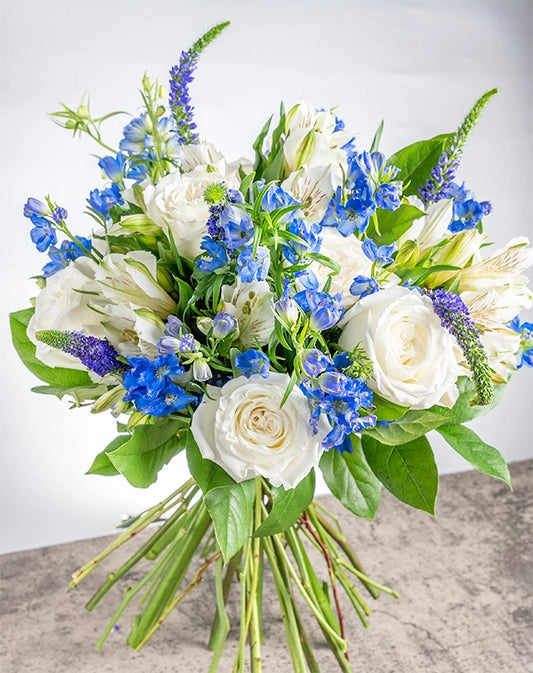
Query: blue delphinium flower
{"points": [[98, 355], [310, 236], [136, 135], [383, 254], [35, 207], [455, 318], [362, 286], [102, 200], [216, 251], [287, 309], [237, 227], [59, 215], [526, 341], [314, 362], [43, 233], [223, 325], [276, 197], [253, 362], [150, 387], [252, 267], [326, 309], [66, 253], [115, 168]]}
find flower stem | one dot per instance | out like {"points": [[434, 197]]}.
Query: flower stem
{"points": [[219, 634]]}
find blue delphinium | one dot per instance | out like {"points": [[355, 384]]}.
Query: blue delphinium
{"points": [[35, 207], [150, 387], [252, 266], [102, 200], [362, 286], [311, 240], [43, 233], [467, 212], [223, 325], [382, 254], [314, 362], [253, 362], [325, 309], [67, 252], [455, 318], [98, 355], [525, 330]]}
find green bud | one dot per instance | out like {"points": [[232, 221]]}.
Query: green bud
{"points": [[83, 111], [160, 111], [306, 149], [408, 254], [147, 83]]}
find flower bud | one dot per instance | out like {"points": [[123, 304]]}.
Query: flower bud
{"points": [[201, 371], [287, 309], [223, 325]]}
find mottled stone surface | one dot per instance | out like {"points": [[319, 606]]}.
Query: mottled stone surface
{"points": [[465, 579]]}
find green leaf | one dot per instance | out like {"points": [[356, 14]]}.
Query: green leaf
{"points": [[79, 394], [483, 457], [386, 410], [410, 426], [287, 506], [463, 411], [147, 451], [231, 509], [60, 377], [408, 471], [351, 480], [206, 474], [393, 223], [377, 137], [101, 464], [416, 161]]}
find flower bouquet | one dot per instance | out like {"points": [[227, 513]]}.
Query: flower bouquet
{"points": [[320, 307]]}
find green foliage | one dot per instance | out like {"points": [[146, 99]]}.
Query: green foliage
{"points": [[408, 470], [206, 474], [102, 465], [483, 457], [410, 426], [148, 449], [393, 223], [79, 394], [231, 510], [464, 410], [416, 161], [287, 505], [351, 480], [386, 410], [58, 377]]}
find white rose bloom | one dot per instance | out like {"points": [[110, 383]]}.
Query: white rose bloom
{"points": [[177, 203], [413, 356], [346, 251], [62, 305], [243, 430], [253, 307]]}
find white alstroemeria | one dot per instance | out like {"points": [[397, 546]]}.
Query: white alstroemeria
{"points": [[314, 188], [347, 251], [132, 279], [201, 154], [431, 228], [501, 346], [495, 306], [412, 355], [243, 428], [312, 139], [253, 307], [502, 268], [132, 332], [176, 203]]}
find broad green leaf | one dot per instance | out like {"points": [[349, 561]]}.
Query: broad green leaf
{"points": [[351, 480], [287, 506], [463, 411], [206, 474], [416, 161], [60, 377], [231, 509], [408, 471], [386, 410], [393, 223], [101, 464], [483, 457], [410, 426], [147, 451], [79, 394]]}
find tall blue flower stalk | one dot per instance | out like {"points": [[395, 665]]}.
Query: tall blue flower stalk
{"points": [[455, 318]]}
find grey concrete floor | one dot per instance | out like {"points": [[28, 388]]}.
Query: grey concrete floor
{"points": [[465, 579]]}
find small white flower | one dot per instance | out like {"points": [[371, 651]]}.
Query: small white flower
{"points": [[313, 188], [413, 358], [243, 429], [253, 307]]}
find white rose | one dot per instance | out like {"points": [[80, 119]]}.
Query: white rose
{"points": [[243, 430], [177, 202], [63, 305], [413, 357], [346, 251]]}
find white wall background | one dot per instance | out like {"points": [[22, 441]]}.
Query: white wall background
{"points": [[418, 64]]}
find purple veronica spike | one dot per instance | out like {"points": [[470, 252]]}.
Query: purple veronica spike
{"points": [[455, 317], [181, 76], [98, 355]]}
